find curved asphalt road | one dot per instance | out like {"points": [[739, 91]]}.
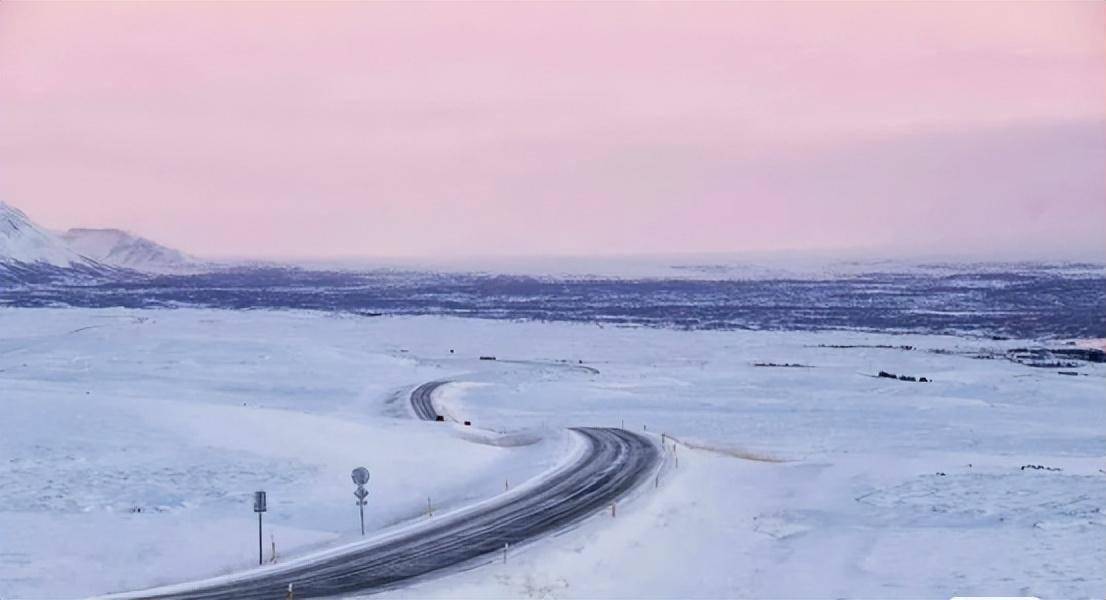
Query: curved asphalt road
{"points": [[613, 463], [422, 401]]}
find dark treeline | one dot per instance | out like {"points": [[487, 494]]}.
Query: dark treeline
{"points": [[1033, 304]]}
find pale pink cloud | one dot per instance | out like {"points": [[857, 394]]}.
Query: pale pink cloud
{"points": [[305, 129]]}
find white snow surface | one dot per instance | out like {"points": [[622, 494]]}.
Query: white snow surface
{"points": [[810, 482], [21, 241], [123, 249]]}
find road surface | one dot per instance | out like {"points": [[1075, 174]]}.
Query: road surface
{"points": [[422, 400], [612, 463]]}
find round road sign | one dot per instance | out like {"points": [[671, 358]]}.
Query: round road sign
{"points": [[360, 476]]}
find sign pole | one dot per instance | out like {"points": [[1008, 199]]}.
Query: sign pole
{"points": [[259, 555], [360, 477], [259, 506]]}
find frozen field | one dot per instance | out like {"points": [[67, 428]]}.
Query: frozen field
{"points": [[131, 441]]}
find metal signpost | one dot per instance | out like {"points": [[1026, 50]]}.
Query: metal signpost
{"points": [[259, 507], [360, 477]]}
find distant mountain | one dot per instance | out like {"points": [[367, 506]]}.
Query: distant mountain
{"points": [[31, 254], [23, 242], [122, 249]]}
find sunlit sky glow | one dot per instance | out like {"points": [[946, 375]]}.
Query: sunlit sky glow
{"points": [[343, 129]]}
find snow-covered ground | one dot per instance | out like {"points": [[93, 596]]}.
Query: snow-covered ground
{"points": [[817, 481]]}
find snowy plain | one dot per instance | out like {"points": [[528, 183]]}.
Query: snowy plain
{"points": [[816, 481]]}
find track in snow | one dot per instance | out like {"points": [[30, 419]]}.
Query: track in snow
{"points": [[613, 463]]}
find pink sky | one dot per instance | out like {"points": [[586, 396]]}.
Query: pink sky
{"points": [[328, 130]]}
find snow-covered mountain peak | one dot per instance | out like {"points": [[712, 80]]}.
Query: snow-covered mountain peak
{"points": [[21, 241], [119, 248], [12, 220]]}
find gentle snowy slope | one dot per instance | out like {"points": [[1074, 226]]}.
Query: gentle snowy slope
{"points": [[122, 249], [133, 465], [885, 489], [21, 241]]}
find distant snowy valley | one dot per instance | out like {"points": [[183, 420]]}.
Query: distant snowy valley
{"points": [[132, 440]]}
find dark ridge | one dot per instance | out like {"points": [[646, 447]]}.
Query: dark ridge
{"points": [[1032, 304]]}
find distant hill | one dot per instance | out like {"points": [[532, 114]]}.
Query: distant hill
{"points": [[23, 242], [32, 254], [119, 248]]}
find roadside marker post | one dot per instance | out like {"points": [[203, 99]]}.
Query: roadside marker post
{"points": [[360, 477], [259, 507]]}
